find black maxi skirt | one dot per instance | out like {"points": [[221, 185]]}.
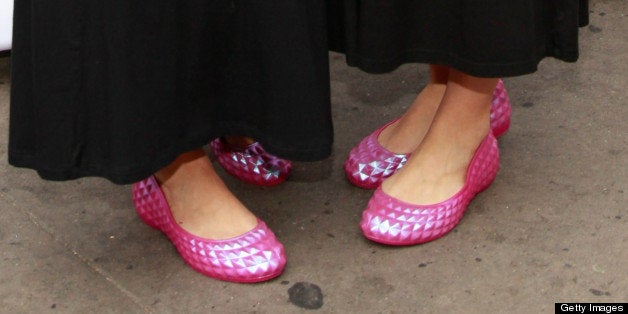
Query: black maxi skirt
{"points": [[485, 38], [120, 88]]}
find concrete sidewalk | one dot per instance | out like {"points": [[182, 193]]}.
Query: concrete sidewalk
{"points": [[551, 228]]}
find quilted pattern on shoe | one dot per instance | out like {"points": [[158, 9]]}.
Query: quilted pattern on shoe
{"points": [[251, 164], [369, 163], [391, 221], [252, 257]]}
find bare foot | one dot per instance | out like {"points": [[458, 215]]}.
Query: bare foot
{"points": [[437, 169], [200, 201], [405, 135]]}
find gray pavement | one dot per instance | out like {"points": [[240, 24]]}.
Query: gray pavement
{"points": [[551, 228]]}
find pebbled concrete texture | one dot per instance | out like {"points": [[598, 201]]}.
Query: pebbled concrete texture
{"points": [[551, 228]]}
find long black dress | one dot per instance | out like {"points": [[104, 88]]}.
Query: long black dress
{"points": [[120, 88], [486, 38]]}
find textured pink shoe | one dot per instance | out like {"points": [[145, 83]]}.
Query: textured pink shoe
{"points": [[251, 164], [252, 257], [500, 110], [391, 221], [369, 163]]}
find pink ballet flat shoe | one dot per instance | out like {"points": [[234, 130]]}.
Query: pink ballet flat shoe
{"points": [[252, 257], [251, 164], [501, 110], [369, 163], [391, 221]]}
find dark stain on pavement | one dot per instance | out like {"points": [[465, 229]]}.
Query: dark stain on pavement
{"points": [[306, 295], [614, 152], [424, 264], [599, 292], [101, 259], [595, 29]]}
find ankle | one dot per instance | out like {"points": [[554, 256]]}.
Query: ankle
{"points": [[199, 200], [405, 135], [181, 166]]}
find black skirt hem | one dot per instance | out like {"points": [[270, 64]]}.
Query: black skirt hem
{"points": [[138, 172], [430, 57]]}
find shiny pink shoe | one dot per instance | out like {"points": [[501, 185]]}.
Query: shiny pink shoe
{"points": [[368, 163], [500, 110], [391, 221], [251, 164], [252, 257]]}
